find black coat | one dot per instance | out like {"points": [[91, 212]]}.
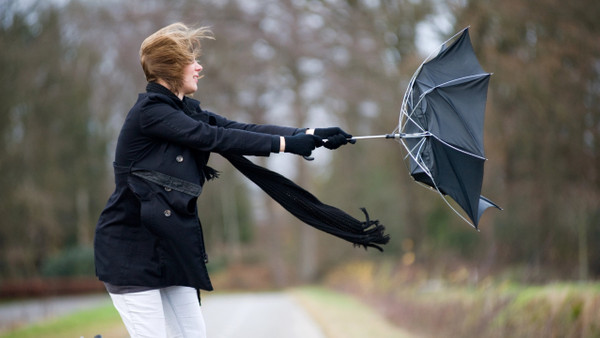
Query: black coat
{"points": [[149, 233]]}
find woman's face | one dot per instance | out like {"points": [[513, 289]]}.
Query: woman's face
{"points": [[191, 74]]}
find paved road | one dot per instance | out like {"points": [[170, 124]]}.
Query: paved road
{"points": [[257, 315], [249, 315]]}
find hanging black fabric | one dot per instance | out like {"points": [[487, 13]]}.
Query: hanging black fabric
{"points": [[309, 209]]}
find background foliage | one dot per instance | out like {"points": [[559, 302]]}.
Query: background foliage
{"points": [[69, 71]]}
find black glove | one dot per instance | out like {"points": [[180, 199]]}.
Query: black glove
{"points": [[302, 144], [335, 137]]}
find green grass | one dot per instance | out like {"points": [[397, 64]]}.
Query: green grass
{"points": [[102, 320], [343, 316]]}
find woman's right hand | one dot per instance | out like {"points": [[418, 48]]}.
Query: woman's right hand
{"points": [[302, 144]]}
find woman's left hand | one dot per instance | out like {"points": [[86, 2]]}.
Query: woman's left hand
{"points": [[335, 137]]}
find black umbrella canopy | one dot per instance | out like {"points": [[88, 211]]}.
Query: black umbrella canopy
{"points": [[444, 108]]}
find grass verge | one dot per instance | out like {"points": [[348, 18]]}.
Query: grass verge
{"points": [[456, 305], [103, 320]]}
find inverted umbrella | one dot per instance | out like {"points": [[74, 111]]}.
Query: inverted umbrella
{"points": [[441, 125]]}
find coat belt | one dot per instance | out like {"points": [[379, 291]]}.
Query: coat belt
{"points": [[165, 180], [169, 182]]}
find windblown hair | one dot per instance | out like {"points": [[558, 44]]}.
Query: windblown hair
{"points": [[164, 54]]}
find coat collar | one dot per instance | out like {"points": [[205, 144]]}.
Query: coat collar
{"points": [[154, 87]]}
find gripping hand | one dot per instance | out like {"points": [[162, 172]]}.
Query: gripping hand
{"points": [[302, 144], [335, 137]]}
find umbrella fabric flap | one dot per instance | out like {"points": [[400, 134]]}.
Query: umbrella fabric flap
{"points": [[459, 176], [456, 113], [484, 204], [456, 61]]}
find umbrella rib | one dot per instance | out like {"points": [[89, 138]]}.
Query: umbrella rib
{"points": [[449, 82], [454, 209], [418, 158], [409, 116], [458, 149], [408, 96]]}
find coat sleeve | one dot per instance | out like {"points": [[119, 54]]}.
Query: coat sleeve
{"points": [[215, 119], [160, 120], [258, 128]]}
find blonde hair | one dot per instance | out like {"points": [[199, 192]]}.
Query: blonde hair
{"points": [[165, 53]]}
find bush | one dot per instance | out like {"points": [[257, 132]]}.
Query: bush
{"points": [[75, 261]]}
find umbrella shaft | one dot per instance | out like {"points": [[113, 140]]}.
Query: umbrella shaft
{"points": [[394, 136]]}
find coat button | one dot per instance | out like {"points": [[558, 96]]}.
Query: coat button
{"points": [[167, 213], [179, 158], [167, 189]]}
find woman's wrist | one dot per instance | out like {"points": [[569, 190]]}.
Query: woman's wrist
{"points": [[281, 144]]}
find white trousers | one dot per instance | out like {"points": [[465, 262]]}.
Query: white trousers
{"points": [[169, 312]]}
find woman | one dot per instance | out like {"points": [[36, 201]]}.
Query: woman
{"points": [[149, 248]]}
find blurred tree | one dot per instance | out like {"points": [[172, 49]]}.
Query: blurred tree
{"points": [[52, 149], [544, 124]]}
